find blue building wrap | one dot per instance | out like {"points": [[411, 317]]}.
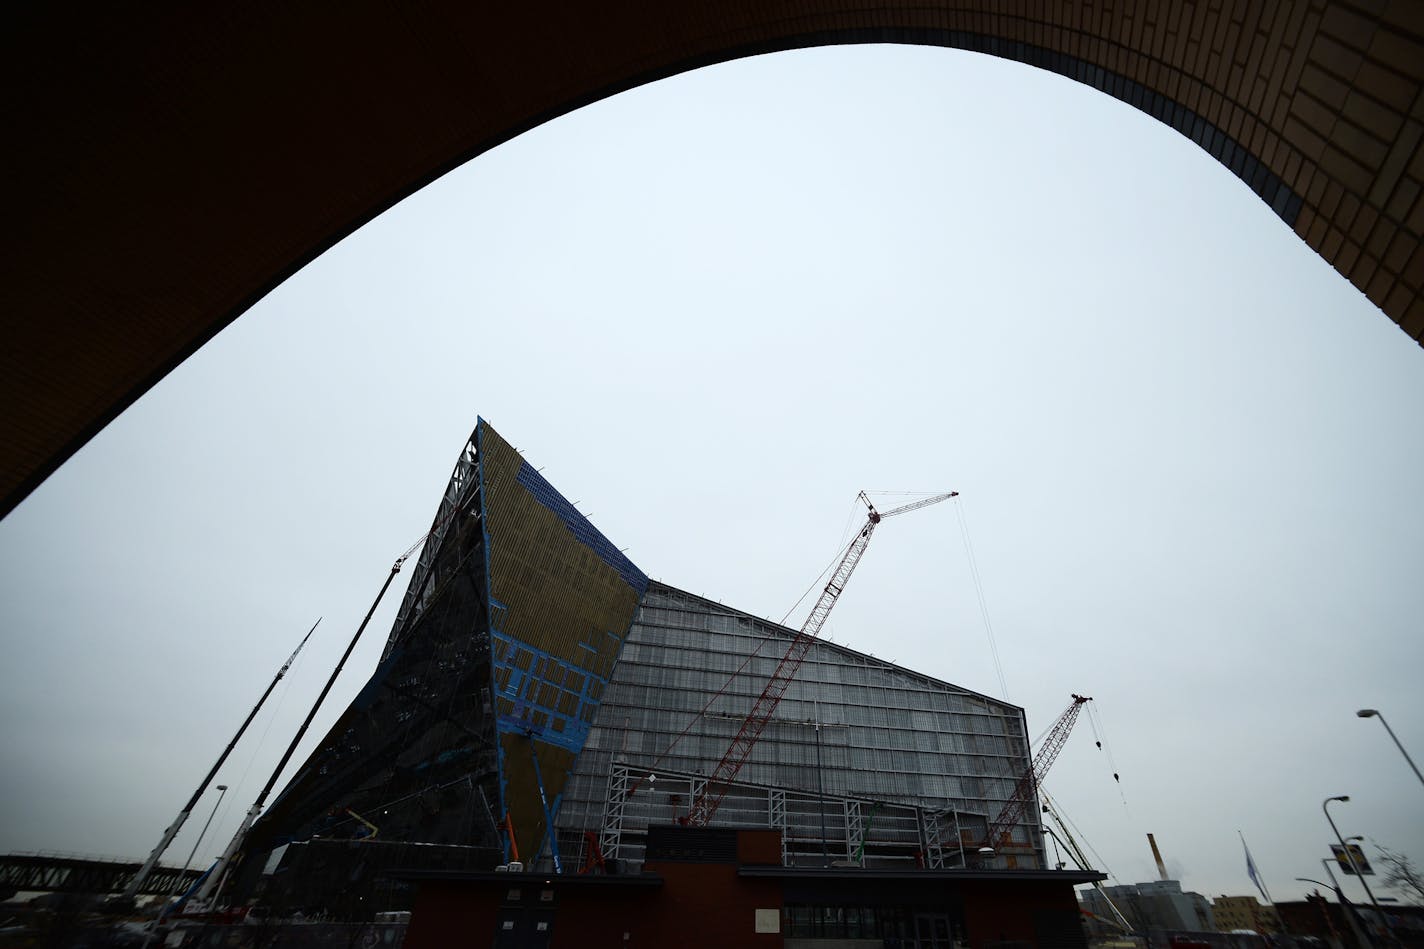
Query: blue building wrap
{"points": [[577, 691]]}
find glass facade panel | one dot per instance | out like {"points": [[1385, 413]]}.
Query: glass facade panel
{"points": [[880, 745]]}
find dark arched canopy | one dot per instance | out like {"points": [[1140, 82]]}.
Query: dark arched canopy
{"points": [[171, 164]]}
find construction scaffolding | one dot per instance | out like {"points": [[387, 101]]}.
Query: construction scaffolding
{"points": [[860, 832]]}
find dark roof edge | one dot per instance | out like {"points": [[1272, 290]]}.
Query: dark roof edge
{"points": [[1069, 877], [841, 647], [646, 880]]}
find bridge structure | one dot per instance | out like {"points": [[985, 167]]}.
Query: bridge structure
{"points": [[59, 873], [170, 164]]}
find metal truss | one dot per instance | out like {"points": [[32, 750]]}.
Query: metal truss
{"points": [[610, 835], [894, 834], [776, 817], [933, 841], [854, 828], [463, 480], [55, 874]]}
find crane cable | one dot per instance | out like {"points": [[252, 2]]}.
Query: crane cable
{"points": [[845, 540], [699, 716], [1072, 827], [1100, 736], [840, 556], [272, 719], [848, 532], [983, 603], [457, 504]]}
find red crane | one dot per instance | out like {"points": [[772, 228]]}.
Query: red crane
{"points": [[706, 803], [1027, 788]]}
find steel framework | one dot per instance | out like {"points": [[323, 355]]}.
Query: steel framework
{"points": [[901, 835], [56, 874]]}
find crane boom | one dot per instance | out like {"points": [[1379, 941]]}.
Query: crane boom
{"points": [[132, 889], [706, 803], [1025, 790], [913, 505], [1082, 860]]}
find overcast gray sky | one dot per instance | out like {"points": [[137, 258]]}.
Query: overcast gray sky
{"points": [[715, 308]]}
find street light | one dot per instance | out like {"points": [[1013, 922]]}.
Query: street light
{"points": [[1061, 864], [178, 904], [1325, 806], [1318, 883], [1346, 909], [202, 833], [1374, 713], [1334, 883]]}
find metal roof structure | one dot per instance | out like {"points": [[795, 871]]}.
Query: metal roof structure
{"points": [[169, 165]]}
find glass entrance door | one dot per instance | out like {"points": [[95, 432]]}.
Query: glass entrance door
{"points": [[932, 931]]}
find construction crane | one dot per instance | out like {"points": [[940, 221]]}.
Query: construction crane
{"points": [[706, 802], [1065, 837], [137, 882], [998, 831], [1081, 859]]}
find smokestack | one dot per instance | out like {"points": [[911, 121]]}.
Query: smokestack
{"points": [[1157, 855]]}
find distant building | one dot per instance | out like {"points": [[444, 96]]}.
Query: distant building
{"points": [[1351, 926], [1157, 905], [1244, 912]]}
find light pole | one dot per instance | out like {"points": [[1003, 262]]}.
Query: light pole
{"points": [[817, 724], [1344, 911], [821, 793], [1325, 862], [178, 904], [1061, 864], [1325, 807], [1346, 908], [203, 833], [1374, 713]]}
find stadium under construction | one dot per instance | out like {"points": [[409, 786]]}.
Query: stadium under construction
{"points": [[543, 710]]}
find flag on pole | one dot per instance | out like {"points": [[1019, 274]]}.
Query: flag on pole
{"points": [[1252, 872]]}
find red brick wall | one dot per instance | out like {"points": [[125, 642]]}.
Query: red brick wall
{"points": [[998, 912], [449, 913], [699, 905], [707, 904]]}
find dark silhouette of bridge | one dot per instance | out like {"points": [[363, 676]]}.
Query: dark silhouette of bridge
{"points": [[52, 873]]}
